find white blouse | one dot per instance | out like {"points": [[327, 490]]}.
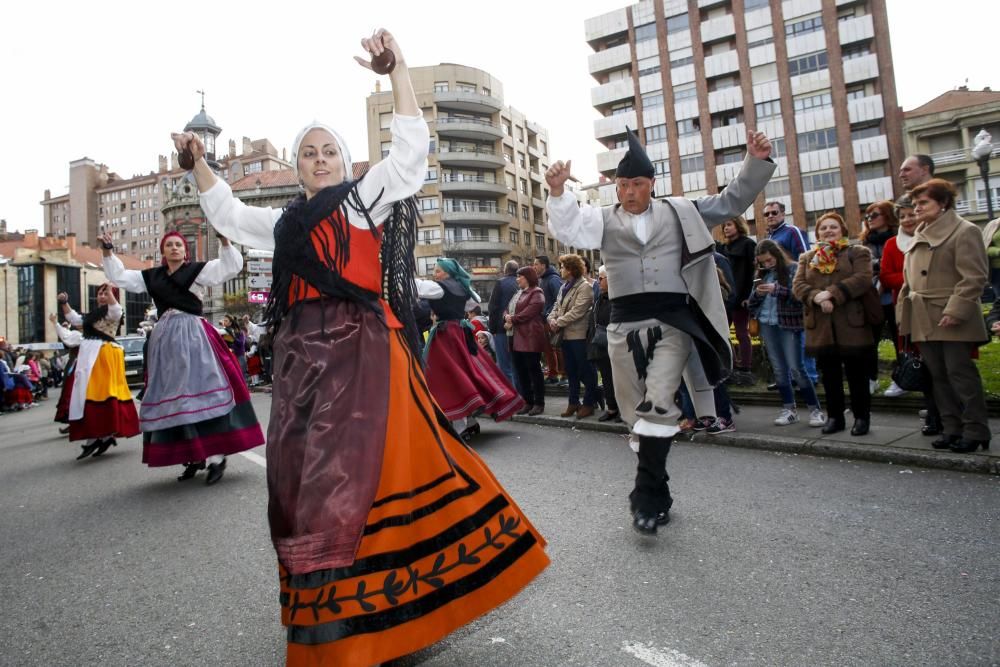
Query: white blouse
{"points": [[397, 177], [215, 272]]}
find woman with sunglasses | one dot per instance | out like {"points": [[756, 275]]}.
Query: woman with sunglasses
{"points": [[878, 226]]}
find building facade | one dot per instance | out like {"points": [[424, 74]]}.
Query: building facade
{"points": [[483, 200], [945, 128], [693, 76]]}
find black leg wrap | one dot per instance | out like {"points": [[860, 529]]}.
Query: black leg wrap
{"points": [[651, 494]]}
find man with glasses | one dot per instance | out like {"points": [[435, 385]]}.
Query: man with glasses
{"points": [[791, 238]]}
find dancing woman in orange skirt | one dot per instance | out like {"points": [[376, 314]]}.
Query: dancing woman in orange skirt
{"points": [[390, 532]]}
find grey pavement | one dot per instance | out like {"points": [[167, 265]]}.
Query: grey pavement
{"points": [[772, 558]]}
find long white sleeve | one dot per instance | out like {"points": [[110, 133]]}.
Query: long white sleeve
{"points": [[69, 337], [252, 226], [429, 289], [401, 173], [114, 312], [127, 279], [74, 318], [575, 225], [227, 266]]}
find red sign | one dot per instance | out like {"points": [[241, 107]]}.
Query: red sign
{"points": [[257, 297]]}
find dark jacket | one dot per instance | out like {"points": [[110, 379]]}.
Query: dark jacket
{"points": [[844, 330], [729, 300], [529, 328], [551, 283], [600, 317], [742, 255], [503, 292], [789, 308]]}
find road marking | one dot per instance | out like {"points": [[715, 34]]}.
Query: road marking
{"points": [[660, 657], [256, 458]]}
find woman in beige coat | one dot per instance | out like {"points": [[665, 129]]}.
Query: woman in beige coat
{"points": [[571, 317], [830, 282], [944, 272]]}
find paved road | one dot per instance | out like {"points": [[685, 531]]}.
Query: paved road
{"points": [[771, 559]]}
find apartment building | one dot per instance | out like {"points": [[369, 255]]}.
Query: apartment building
{"points": [[692, 76], [483, 200], [946, 128]]}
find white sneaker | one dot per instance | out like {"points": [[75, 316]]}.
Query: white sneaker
{"points": [[786, 417], [894, 390], [817, 418], [872, 386]]}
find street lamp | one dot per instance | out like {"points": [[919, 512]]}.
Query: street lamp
{"points": [[981, 154]]}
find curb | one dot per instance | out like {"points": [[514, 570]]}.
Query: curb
{"points": [[974, 463]]}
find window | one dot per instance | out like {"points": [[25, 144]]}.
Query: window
{"points": [[428, 236], [428, 204], [688, 127], [527, 239], [68, 280], [826, 180], [645, 32], [868, 172], [803, 27], [487, 92], [520, 160], [385, 120], [778, 147], [621, 107], [523, 186], [767, 109], [652, 100], [856, 52], [754, 4], [727, 118], [649, 65], [817, 140], [552, 246], [813, 102], [681, 62], [431, 175], [729, 156], [135, 310], [512, 209], [776, 188], [540, 241], [463, 87], [856, 92], [692, 164], [685, 92], [525, 213], [677, 23], [31, 303], [425, 265], [509, 179], [811, 63], [661, 168], [866, 132], [656, 134], [440, 86], [386, 145]]}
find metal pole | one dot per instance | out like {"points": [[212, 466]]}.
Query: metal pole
{"points": [[984, 170]]}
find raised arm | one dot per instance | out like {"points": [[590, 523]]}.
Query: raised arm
{"points": [[739, 194], [429, 289], [71, 315], [571, 223], [227, 266], [127, 279], [69, 337]]}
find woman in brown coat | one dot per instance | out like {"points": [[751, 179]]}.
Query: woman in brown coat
{"points": [[944, 272], [571, 316], [830, 282], [524, 324]]}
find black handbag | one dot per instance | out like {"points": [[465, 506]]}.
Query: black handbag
{"points": [[911, 373]]}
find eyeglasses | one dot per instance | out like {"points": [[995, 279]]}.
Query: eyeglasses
{"points": [[873, 215], [771, 214]]}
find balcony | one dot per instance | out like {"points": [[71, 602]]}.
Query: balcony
{"points": [[614, 91], [612, 126], [725, 99], [762, 55], [469, 101], [535, 176], [608, 160], [856, 29], [475, 245], [719, 28], [959, 155], [814, 119], [537, 202], [861, 69], [821, 160], [468, 128], [875, 189], [481, 214], [824, 200], [609, 59], [470, 185], [470, 157], [863, 109], [978, 205], [811, 82], [722, 63], [729, 136], [810, 42], [534, 152], [872, 149], [605, 25], [693, 182], [724, 173], [795, 8]]}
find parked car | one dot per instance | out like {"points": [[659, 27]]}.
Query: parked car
{"points": [[135, 361]]}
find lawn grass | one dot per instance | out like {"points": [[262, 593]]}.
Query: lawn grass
{"points": [[988, 363]]}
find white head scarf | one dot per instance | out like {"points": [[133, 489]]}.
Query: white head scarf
{"points": [[316, 125]]}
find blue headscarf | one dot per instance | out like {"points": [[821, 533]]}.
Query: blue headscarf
{"points": [[455, 270]]}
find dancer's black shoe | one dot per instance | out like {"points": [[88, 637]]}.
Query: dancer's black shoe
{"points": [[215, 471], [88, 449], [190, 470], [105, 444]]}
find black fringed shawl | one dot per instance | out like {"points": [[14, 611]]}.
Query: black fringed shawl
{"points": [[295, 255]]}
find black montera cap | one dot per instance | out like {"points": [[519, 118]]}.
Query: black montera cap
{"points": [[635, 163]]}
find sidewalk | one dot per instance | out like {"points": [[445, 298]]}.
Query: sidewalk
{"points": [[894, 438]]}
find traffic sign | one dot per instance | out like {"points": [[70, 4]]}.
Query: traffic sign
{"points": [[258, 266], [259, 282]]}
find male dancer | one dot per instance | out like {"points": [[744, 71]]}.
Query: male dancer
{"points": [[666, 304]]}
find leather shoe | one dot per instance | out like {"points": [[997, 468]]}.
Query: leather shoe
{"points": [[931, 429], [964, 446], [860, 427], [946, 441], [215, 471], [536, 410], [569, 411], [88, 449], [190, 470], [64, 430], [833, 425], [584, 411], [644, 523], [525, 410], [607, 416], [105, 444]]}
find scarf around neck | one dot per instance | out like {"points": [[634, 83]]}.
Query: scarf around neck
{"points": [[825, 258]]}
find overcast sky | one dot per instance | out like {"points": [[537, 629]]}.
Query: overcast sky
{"points": [[110, 80]]}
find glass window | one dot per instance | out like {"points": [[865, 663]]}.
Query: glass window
{"points": [[135, 310], [813, 102], [540, 241], [868, 172], [688, 126], [692, 164], [649, 65], [678, 23], [68, 280], [826, 180], [31, 303], [776, 187], [811, 63], [803, 27], [661, 168], [656, 134], [652, 100], [817, 140], [429, 204], [754, 4], [645, 32], [685, 92], [513, 236], [512, 208], [440, 86], [527, 239], [866, 132], [778, 147], [767, 109]]}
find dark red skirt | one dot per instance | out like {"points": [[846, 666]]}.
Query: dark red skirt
{"points": [[62, 406], [18, 396], [463, 383]]}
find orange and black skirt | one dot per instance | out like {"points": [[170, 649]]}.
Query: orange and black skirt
{"points": [[390, 532]]}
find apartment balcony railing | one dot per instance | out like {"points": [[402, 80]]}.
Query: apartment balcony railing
{"points": [[472, 128], [470, 157]]}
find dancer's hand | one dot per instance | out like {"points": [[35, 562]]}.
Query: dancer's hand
{"points": [[53, 318], [189, 140], [380, 40], [105, 239], [556, 176], [758, 145]]}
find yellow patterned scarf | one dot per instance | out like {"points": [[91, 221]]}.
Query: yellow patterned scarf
{"points": [[825, 258]]}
